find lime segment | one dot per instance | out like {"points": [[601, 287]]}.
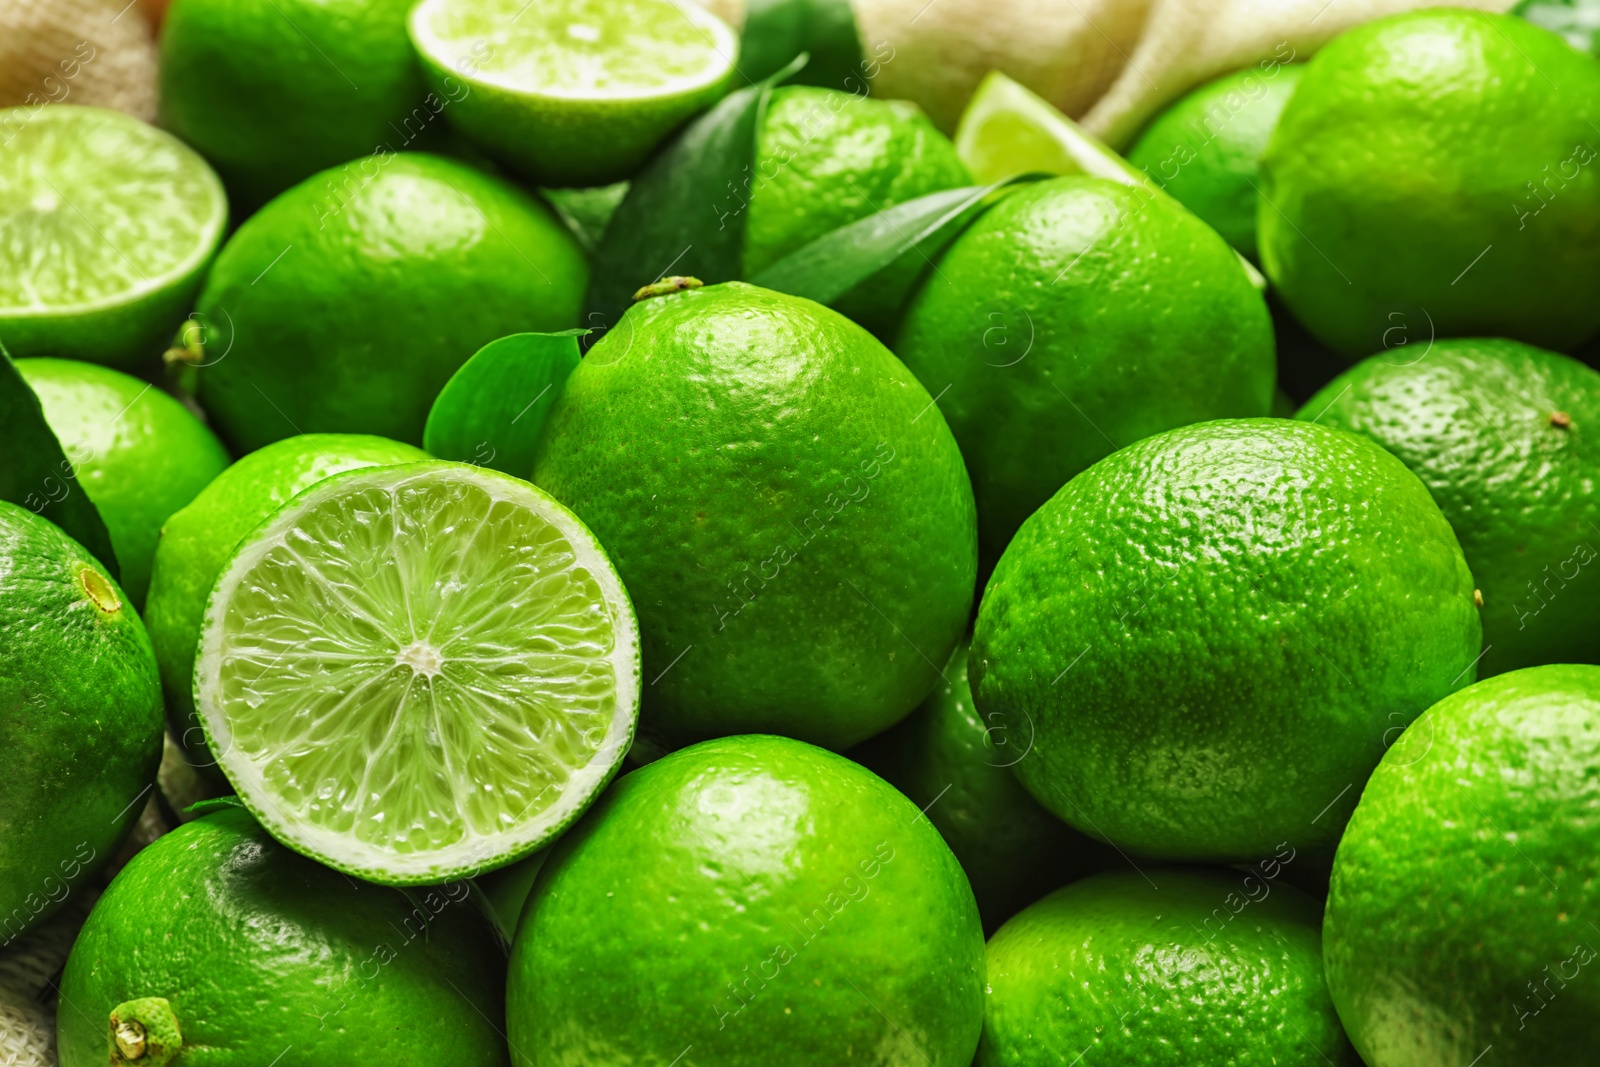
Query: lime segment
{"points": [[105, 224], [573, 92], [1009, 130], [418, 672]]}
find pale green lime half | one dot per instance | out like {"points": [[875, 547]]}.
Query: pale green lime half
{"points": [[572, 92], [106, 224], [419, 672]]}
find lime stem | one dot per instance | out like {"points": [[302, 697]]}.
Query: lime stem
{"points": [[144, 1032], [676, 283]]}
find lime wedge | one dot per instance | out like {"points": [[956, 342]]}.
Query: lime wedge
{"points": [[572, 92], [1008, 130], [106, 225], [419, 672]]}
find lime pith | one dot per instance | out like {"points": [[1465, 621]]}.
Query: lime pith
{"points": [[417, 672]]}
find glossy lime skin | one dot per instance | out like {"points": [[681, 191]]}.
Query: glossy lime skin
{"points": [[956, 768], [1215, 632], [1206, 149], [262, 953], [80, 718], [200, 539], [788, 511], [1073, 318], [1467, 886], [1166, 968], [1417, 144], [760, 900], [137, 452], [272, 91], [825, 159], [345, 304], [1500, 432]]}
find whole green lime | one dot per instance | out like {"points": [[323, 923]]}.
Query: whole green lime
{"points": [[137, 452], [272, 91], [198, 540], [80, 718], [1206, 149], [1073, 318], [1439, 163], [347, 303], [748, 900], [956, 767], [1162, 967], [785, 505], [1500, 432], [1466, 891], [217, 945], [1215, 632], [825, 159]]}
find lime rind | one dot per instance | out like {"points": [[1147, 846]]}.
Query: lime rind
{"points": [[581, 50], [421, 672], [91, 201]]}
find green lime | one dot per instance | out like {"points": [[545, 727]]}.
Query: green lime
{"points": [[784, 503], [1163, 967], [1214, 632], [199, 539], [82, 724], [347, 313], [419, 672], [825, 159], [106, 227], [573, 92], [1461, 923], [1438, 162], [507, 889], [1007, 129], [1500, 434], [272, 91], [1073, 318], [1206, 149], [956, 767], [749, 900], [217, 945], [137, 452]]}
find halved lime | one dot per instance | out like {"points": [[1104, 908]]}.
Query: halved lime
{"points": [[106, 224], [572, 92], [419, 672]]}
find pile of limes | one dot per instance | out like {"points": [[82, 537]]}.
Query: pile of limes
{"points": [[582, 534]]}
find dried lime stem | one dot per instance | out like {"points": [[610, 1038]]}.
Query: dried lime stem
{"points": [[144, 1032]]}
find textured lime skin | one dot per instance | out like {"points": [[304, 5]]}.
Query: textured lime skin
{"points": [[1412, 145], [957, 768], [825, 159], [777, 492], [80, 718], [346, 311], [1466, 889], [272, 91], [198, 540], [759, 899], [264, 954], [1206, 149], [1204, 967], [1215, 632], [137, 452], [1075, 317], [1500, 434]]}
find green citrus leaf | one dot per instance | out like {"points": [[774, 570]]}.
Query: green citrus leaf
{"points": [[776, 31], [586, 211], [684, 212], [490, 413], [1576, 20], [868, 268], [201, 808], [36, 472]]}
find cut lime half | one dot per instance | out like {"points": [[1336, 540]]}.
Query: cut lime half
{"points": [[572, 92], [419, 672], [106, 224]]}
